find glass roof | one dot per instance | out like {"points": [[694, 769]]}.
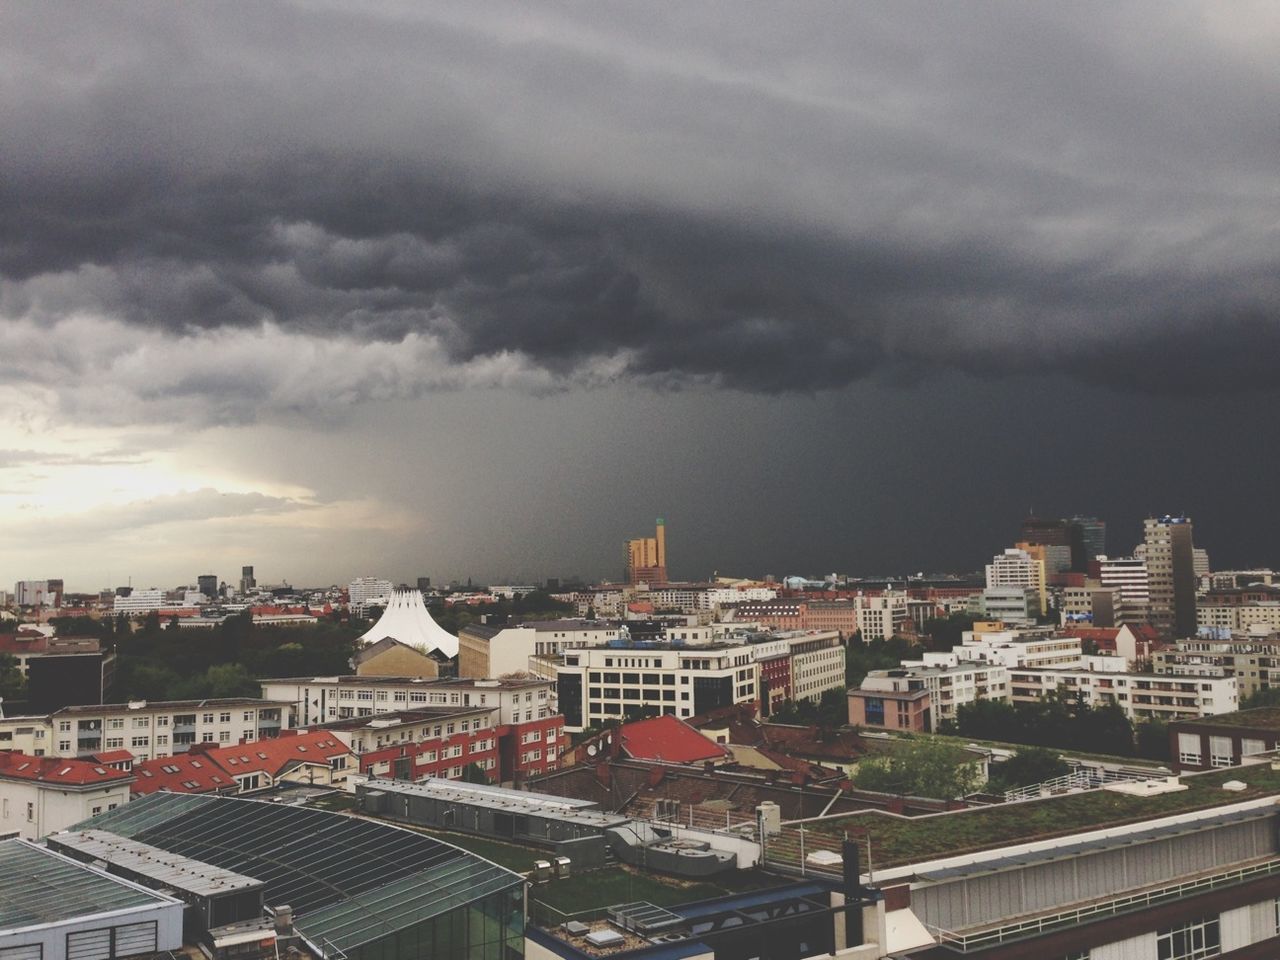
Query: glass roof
{"points": [[349, 880], [38, 886]]}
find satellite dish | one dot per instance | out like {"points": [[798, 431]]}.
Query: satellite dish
{"points": [[592, 749]]}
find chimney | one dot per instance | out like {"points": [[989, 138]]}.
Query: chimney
{"points": [[852, 889]]}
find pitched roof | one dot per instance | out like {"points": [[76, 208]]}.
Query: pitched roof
{"points": [[669, 739], [382, 646], [58, 770], [184, 773], [215, 769]]}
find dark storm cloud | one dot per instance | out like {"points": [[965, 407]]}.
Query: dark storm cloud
{"points": [[784, 201]]}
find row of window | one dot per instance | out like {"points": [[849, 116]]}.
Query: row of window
{"points": [[143, 723]]}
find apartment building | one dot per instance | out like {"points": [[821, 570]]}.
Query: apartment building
{"points": [[949, 686], [147, 729], [1130, 577], [1018, 568], [1170, 558], [600, 683], [1142, 696], [323, 699], [1253, 660]]}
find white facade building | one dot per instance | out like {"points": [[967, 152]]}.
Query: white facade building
{"points": [[1017, 568], [365, 590], [40, 795], [146, 729], [1130, 576], [321, 699], [601, 683], [950, 685], [882, 617], [140, 601], [1142, 696]]}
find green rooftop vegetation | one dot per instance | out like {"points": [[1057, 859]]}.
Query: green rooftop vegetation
{"points": [[590, 893], [895, 840], [1266, 718]]}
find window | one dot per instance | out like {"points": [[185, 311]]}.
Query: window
{"points": [[162, 740], [64, 746], [224, 717], [64, 726], [224, 736], [114, 743], [248, 716], [162, 721], [208, 718], [115, 723], [1189, 748], [138, 742], [207, 736], [141, 723], [1220, 751], [1192, 940]]}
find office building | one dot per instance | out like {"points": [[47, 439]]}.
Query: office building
{"points": [[247, 583], [140, 601], [485, 651], [1170, 560], [1093, 532], [613, 682], [882, 617], [207, 584], [37, 593], [366, 590], [646, 557], [1018, 568]]}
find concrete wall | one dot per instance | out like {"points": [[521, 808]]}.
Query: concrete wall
{"points": [[53, 937], [52, 809]]}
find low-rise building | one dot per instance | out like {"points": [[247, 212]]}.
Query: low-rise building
{"points": [[1224, 740], [147, 729], [949, 687], [1252, 658], [319, 700], [485, 651], [1142, 696], [316, 758], [891, 703], [39, 795]]}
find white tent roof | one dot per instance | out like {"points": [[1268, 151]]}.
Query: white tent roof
{"points": [[407, 619]]}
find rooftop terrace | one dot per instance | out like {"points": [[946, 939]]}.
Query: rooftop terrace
{"points": [[1264, 718]]}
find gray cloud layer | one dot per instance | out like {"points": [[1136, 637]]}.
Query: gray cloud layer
{"points": [[783, 200]]}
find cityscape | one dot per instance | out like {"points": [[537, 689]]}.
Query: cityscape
{"points": [[639, 482]]}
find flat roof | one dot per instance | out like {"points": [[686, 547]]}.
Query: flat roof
{"points": [[171, 869], [500, 798], [1262, 718], [38, 886], [142, 705], [445, 683]]}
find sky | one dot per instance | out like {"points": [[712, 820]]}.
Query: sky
{"points": [[460, 290]]}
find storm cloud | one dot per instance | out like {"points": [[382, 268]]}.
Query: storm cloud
{"points": [[786, 200]]}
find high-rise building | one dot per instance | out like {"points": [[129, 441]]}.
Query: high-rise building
{"points": [[207, 583], [647, 557], [1057, 533], [1170, 557], [247, 582], [363, 590], [1094, 534], [38, 593], [1129, 576], [1018, 568], [424, 584]]}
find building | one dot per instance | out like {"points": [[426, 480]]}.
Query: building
{"points": [[1130, 577], [358, 889], [1057, 533], [485, 651], [797, 665], [363, 591], [1010, 604], [55, 908], [882, 617], [1253, 660], [1142, 696], [37, 593], [390, 657], [949, 687], [316, 758], [1094, 534], [1017, 568], [207, 584], [407, 619], [146, 729], [319, 700], [39, 795], [1224, 740], [60, 671], [140, 601], [890, 702], [612, 682], [646, 557], [1170, 558]]}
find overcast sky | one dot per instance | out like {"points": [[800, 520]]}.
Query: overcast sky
{"points": [[461, 290]]}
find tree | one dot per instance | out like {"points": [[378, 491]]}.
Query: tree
{"points": [[920, 768], [1152, 740], [13, 685], [473, 773], [947, 632], [1269, 697], [1028, 766]]}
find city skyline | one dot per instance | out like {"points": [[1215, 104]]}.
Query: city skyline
{"points": [[474, 293]]}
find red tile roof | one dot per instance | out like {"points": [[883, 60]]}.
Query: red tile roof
{"points": [[113, 756], [210, 769], [185, 773], [58, 770], [669, 739]]}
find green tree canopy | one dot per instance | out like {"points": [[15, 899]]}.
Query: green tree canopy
{"points": [[920, 768]]}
